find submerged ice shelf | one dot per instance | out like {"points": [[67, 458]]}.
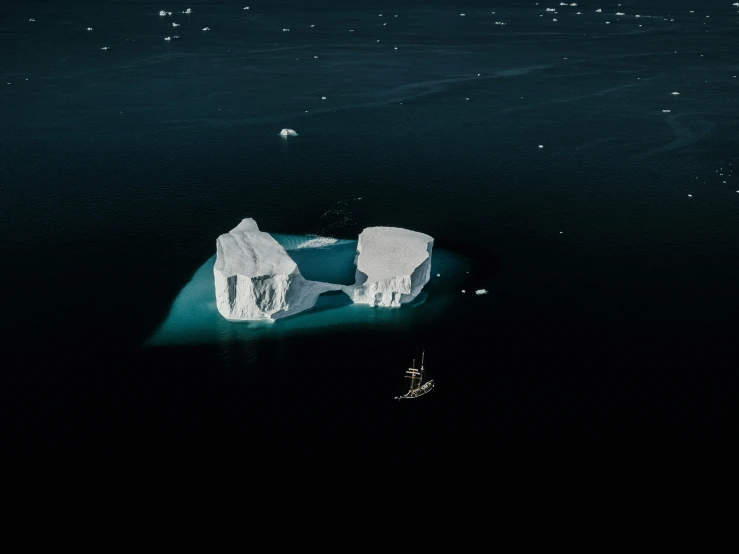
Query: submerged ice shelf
{"points": [[194, 317]]}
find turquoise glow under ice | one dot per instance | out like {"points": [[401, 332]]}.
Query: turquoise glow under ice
{"points": [[194, 318]]}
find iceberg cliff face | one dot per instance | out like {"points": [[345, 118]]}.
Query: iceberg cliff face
{"points": [[256, 279], [393, 265]]}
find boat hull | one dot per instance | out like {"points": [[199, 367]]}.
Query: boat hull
{"points": [[420, 391]]}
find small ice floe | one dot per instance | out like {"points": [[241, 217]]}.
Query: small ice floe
{"points": [[89, 28], [167, 38], [32, 19], [312, 26], [481, 291], [318, 242], [188, 10], [462, 14], [541, 146], [396, 47], [665, 111], [351, 30], [675, 93], [175, 36], [323, 98], [246, 8], [438, 274], [466, 98], [478, 74], [162, 13], [175, 24], [598, 10], [206, 28], [105, 48], [463, 291], [288, 133], [620, 13], [315, 57], [573, 5], [608, 22], [555, 19], [285, 30], [551, 10]]}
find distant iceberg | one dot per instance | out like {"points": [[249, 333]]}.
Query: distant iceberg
{"points": [[288, 133]]}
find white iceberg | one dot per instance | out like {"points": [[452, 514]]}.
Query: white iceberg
{"points": [[256, 279], [288, 133], [481, 291], [393, 265]]}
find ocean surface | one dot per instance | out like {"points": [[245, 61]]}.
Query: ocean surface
{"points": [[584, 166]]}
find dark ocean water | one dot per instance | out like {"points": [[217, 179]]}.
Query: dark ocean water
{"points": [[611, 255]]}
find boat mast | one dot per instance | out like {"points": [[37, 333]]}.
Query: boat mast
{"points": [[420, 382]]}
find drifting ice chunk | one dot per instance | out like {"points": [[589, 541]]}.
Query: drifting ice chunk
{"points": [[393, 265], [481, 291], [288, 133], [256, 279]]}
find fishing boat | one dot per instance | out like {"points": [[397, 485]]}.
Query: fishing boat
{"points": [[418, 387]]}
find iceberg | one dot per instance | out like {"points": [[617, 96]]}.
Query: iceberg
{"points": [[288, 133], [393, 265], [256, 279]]}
